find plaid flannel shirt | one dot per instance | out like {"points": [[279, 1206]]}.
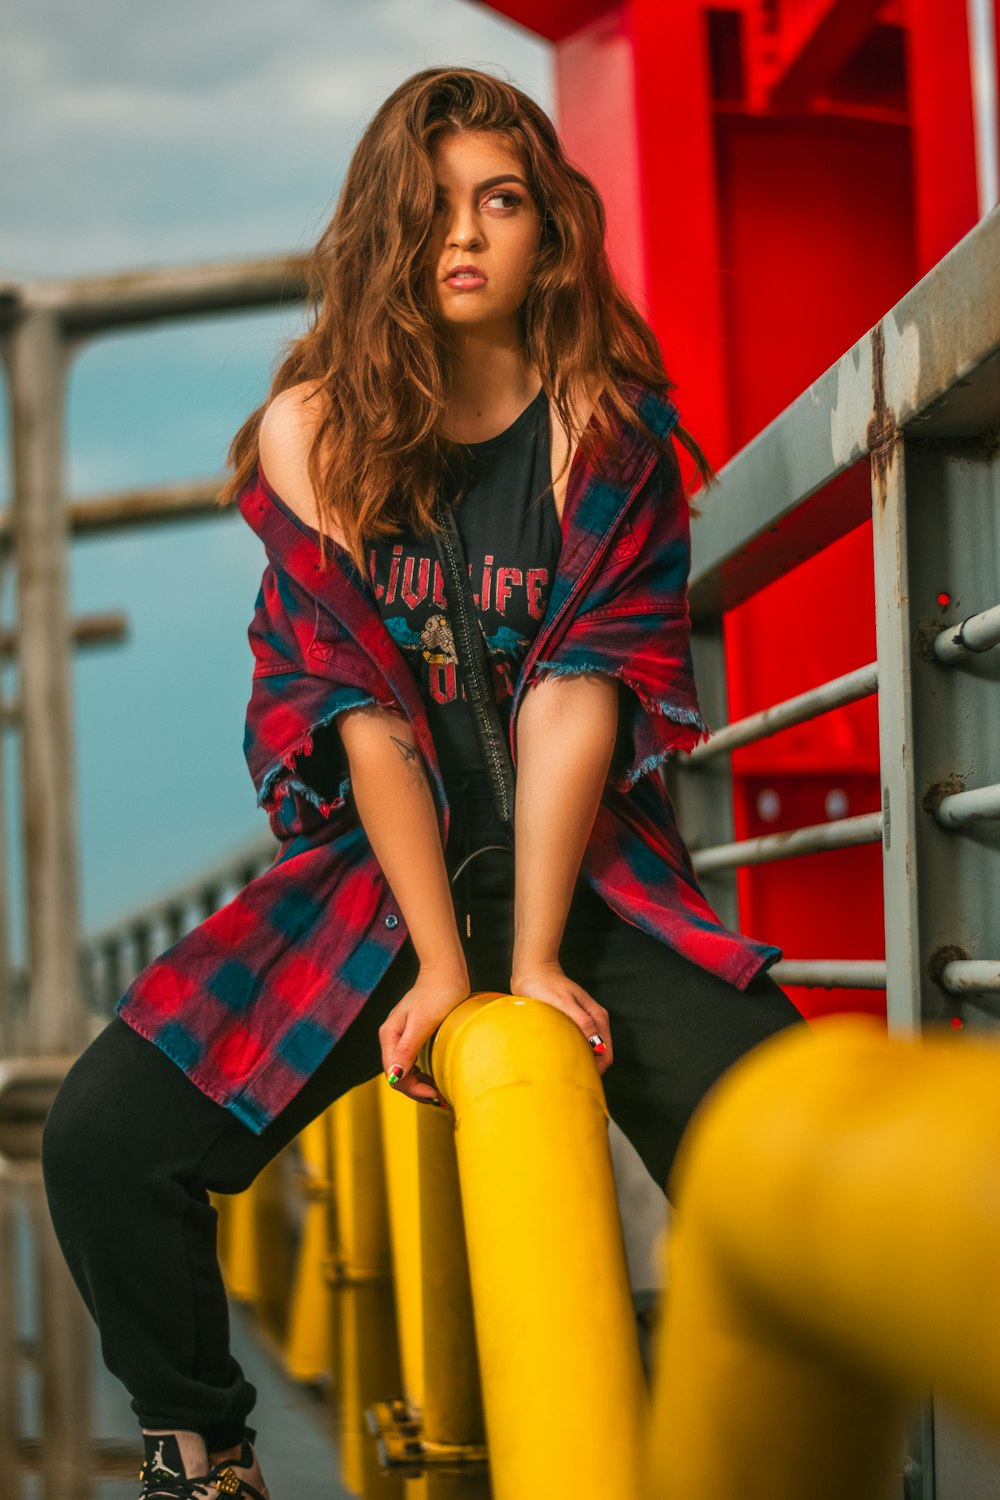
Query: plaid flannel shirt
{"points": [[250, 1002]]}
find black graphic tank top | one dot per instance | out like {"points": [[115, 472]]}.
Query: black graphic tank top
{"points": [[512, 541]]}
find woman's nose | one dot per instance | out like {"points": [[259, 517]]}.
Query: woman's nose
{"points": [[463, 229]]}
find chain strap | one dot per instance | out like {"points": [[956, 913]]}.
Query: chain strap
{"points": [[477, 671]]}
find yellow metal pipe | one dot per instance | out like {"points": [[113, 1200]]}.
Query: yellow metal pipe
{"points": [[402, 1170], [241, 1255], [361, 1216], [307, 1346], [453, 1410], [366, 1366], [834, 1254], [563, 1388], [255, 1253], [223, 1220]]}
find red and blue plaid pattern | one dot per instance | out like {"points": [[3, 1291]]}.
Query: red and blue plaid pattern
{"points": [[250, 1001]]}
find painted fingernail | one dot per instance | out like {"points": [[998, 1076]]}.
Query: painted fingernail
{"points": [[394, 1074], [596, 1043]]}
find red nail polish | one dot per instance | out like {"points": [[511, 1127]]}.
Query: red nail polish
{"points": [[597, 1044]]}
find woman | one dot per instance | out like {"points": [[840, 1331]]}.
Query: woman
{"points": [[468, 345]]}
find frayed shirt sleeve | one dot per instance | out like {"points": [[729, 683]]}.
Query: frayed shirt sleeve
{"points": [[309, 781], [634, 623], [304, 677]]}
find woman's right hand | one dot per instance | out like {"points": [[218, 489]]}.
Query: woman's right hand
{"points": [[415, 1018]]}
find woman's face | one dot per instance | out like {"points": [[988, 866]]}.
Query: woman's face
{"points": [[486, 217]]}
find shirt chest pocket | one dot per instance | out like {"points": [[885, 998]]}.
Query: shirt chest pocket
{"points": [[625, 546], [328, 633]]}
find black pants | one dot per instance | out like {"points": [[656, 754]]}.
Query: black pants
{"points": [[132, 1147]]}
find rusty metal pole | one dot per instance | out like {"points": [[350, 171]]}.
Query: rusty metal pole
{"points": [[7, 1035], [48, 784]]}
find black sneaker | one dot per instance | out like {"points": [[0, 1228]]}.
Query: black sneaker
{"points": [[176, 1467]]}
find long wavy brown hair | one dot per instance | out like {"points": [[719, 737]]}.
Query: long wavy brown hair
{"points": [[377, 346]]}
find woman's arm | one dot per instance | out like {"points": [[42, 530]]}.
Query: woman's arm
{"points": [[565, 741], [396, 807], [391, 791]]}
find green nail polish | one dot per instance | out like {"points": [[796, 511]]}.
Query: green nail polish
{"points": [[394, 1074]]}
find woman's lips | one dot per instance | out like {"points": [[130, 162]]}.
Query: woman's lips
{"points": [[465, 282]]}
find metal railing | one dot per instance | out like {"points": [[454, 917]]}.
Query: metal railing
{"points": [[43, 324], [112, 956], [905, 428]]}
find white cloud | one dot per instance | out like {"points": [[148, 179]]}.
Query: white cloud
{"points": [[148, 134]]}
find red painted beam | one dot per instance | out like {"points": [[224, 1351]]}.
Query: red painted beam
{"points": [[552, 19], [811, 51]]}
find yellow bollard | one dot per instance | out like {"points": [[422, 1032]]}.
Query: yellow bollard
{"points": [[307, 1347], [402, 1170], [811, 1297], [563, 1388], [361, 1216]]}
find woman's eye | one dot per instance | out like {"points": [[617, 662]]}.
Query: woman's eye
{"points": [[511, 199]]}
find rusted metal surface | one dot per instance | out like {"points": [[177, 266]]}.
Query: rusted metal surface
{"points": [[882, 428], [893, 631], [978, 632], [972, 977], [929, 368]]}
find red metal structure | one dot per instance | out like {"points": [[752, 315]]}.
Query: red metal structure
{"points": [[777, 174]]}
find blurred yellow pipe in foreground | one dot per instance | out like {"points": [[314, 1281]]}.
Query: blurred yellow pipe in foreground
{"points": [[564, 1394], [453, 1410], [361, 1212], [366, 1367], [402, 1174], [307, 1345], [835, 1252]]}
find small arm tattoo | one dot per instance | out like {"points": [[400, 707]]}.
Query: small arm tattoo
{"points": [[407, 751], [409, 754]]}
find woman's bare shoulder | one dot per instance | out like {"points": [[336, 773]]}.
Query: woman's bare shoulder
{"points": [[285, 436]]}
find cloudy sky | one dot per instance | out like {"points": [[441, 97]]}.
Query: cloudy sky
{"points": [[138, 135]]}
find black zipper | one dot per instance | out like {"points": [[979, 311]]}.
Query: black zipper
{"points": [[474, 663]]}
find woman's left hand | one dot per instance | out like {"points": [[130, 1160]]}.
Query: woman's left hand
{"points": [[547, 981]]}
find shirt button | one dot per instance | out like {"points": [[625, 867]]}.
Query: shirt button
{"points": [[391, 921]]}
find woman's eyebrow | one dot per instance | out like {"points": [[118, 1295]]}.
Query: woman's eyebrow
{"points": [[490, 182]]}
